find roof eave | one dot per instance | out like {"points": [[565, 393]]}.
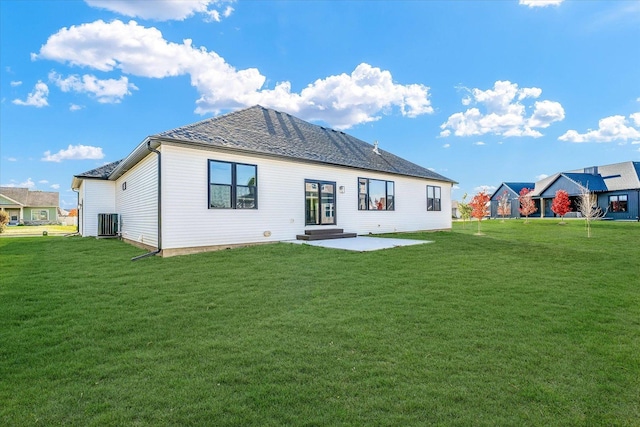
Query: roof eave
{"points": [[175, 141]]}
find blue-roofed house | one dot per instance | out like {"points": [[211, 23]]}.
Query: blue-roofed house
{"points": [[616, 187], [254, 176], [512, 190]]}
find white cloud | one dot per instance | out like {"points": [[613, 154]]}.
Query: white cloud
{"points": [[636, 118], [541, 177], [545, 113], [446, 146], [504, 114], [613, 128], [479, 143], [75, 107], [165, 10], [43, 181], [15, 83], [55, 186], [486, 188], [37, 98], [109, 91], [540, 3], [341, 100], [74, 152], [26, 184], [12, 159]]}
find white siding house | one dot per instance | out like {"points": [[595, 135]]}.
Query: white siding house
{"points": [[255, 176], [96, 197]]}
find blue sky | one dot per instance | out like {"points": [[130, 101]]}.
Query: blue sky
{"points": [[479, 91]]}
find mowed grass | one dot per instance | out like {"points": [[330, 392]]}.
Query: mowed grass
{"points": [[530, 324]]}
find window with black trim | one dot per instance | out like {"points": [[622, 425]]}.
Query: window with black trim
{"points": [[433, 198], [232, 185], [376, 195], [320, 202], [618, 203]]}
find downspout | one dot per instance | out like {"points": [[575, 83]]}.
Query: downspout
{"points": [[156, 252]]}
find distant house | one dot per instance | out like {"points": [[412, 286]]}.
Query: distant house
{"points": [[29, 207], [512, 190], [616, 187], [256, 175]]}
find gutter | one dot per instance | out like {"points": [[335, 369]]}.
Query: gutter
{"points": [[156, 252]]}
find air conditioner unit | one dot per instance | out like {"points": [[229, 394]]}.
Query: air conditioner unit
{"points": [[108, 225]]}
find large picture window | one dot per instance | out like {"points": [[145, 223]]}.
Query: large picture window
{"points": [[618, 203], [376, 195], [433, 198], [232, 185], [39, 215]]}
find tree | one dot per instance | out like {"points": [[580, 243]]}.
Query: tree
{"points": [[527, 205], [479, 207], [465, 210], [588, 207], [4, 220], [504, 205], [561, 204]]}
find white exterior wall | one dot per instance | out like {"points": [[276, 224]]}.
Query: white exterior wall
{"points": [[136, 195], [187, 221], [96, 197]]}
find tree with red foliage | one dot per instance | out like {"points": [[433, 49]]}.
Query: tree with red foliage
{"points": [[561, 204], [527, 205], [479, 204], [504, 205]]}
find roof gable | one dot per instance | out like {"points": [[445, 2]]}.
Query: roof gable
{"points": [[266, 131], [513, 188], [16, 194], [25, 197]]}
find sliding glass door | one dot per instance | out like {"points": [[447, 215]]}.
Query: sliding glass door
{"points": [[320, 202]]}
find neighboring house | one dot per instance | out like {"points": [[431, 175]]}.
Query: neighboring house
{"points": [[513, 193], [616, 187], [29, 207], [252, 176]]}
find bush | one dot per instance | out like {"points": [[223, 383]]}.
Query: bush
{"points": [[4, 220]]}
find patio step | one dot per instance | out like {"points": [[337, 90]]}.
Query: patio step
{"points": [[325, 233]]}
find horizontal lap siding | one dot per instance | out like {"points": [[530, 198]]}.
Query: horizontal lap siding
{"points": [[187, 221], [96, 197], [138, 202]]}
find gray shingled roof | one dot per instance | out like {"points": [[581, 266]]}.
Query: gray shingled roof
{"points": [[102, 172], [266, 131], [31, 198]]}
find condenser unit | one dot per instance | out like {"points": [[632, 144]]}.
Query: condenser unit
{"points": [[108, 225]]}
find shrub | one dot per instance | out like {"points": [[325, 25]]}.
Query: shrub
{"points": [[4, 220]]}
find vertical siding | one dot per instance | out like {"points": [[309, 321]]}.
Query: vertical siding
{"points": [[137, 202], [187, 221], [97, 196]]}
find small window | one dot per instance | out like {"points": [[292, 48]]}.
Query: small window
{"points": [[376, 195], [232, 185], [433, 198], [618, 203]]}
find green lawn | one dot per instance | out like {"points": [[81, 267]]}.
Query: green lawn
{"points": [[531, 324]]}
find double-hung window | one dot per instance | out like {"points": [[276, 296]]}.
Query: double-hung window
{"points": [[376, 195], [618, 203], [232, 185], [433, 198]]}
